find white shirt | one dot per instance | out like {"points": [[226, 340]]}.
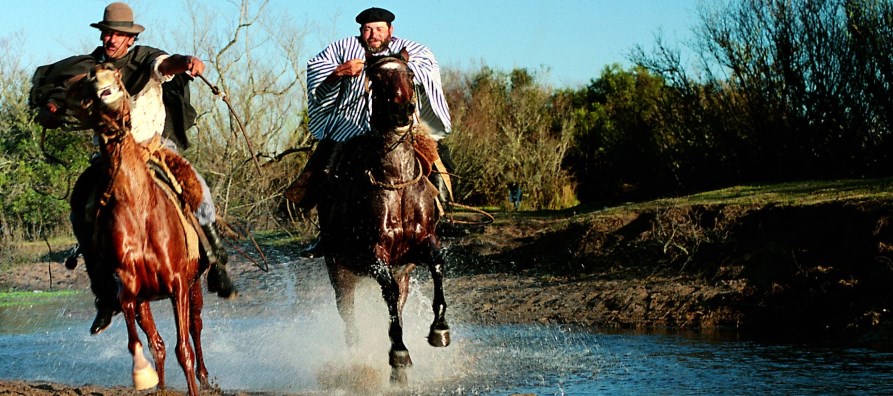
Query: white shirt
{"points": [[147, 113]]}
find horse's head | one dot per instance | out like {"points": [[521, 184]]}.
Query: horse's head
{"points": [[98, 99], [393, 91]]}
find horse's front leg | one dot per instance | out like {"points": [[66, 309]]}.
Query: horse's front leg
{"points": [[390, 290], [144, 376], [196, 303], [156, 344], [439, 335]]}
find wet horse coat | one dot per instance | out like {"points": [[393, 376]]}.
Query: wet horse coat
{"points": [[141, 239], [378, 214]]}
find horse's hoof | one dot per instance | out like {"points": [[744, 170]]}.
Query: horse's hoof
{"points": [[398, 376], [145, 378], [400, 359], [439, 337]]}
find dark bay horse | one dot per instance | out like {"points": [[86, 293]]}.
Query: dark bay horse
{"points": [[378, 214], [141, 243]]}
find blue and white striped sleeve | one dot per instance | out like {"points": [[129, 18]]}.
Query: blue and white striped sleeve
{"points": [[321, 96], [433, 107]]}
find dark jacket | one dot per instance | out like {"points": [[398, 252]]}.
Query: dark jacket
{"points": [[47, 86]]}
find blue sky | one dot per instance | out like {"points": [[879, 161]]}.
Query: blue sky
{"points": [[574, 40]]}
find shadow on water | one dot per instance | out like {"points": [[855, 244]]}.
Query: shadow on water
{"points": [[286, 338]]}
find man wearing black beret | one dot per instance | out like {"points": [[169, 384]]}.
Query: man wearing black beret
{"points": [[375, 14], [335, 78], [338, 104]]}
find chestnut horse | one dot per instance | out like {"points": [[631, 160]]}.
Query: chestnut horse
{"points": [[140, 238], [378, 214]]}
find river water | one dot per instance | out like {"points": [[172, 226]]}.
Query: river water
{"points": [[283, 344]]}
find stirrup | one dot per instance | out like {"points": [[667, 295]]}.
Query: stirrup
{"points": [[314, 250]]}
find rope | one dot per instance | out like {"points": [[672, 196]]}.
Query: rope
{"points": [[388, 186], [489, 218], [217, 92]]}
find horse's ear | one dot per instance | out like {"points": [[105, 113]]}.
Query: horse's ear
{"points": [[404, 54], [71, 81]]}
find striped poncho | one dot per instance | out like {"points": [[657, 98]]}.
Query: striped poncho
{"points": [[340, 110]]}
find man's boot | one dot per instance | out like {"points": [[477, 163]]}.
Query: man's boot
{"points": [[71, 262], [218, 279]]}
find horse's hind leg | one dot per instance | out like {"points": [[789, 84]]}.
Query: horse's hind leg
{"points": [[390, 290], [196, 303], [345, 284], [184, 350], [156, 344], [439, 336]]}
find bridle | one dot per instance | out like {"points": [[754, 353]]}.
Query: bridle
{"points": [[113, 129], [405, 133], [414, 102]]}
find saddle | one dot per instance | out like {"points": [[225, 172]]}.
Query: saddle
{"points": [[171, 168], [172, 173], [303, 190]]}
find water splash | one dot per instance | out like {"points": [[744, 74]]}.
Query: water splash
{"points": [[286, 337]]}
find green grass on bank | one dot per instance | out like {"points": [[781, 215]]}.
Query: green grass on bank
{"points": [[27, 298], [782, 194]]}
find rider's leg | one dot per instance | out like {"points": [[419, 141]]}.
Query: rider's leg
{"points": [[440, 175], [218, 279], [206, 214], [305, 190]]}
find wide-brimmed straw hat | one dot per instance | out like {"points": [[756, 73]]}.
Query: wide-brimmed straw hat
{"points": [[118, 17]]}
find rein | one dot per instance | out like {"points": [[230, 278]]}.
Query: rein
{"points": [[403, 136], [116, 141], [398, 186]]}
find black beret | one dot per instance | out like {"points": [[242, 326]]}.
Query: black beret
{"points": [[375, 14]]}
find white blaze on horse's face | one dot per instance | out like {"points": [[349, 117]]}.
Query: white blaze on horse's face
{"points": [[390, 66], [108, 87], [393, 66]]}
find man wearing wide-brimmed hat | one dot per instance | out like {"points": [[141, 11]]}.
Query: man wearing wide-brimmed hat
{"points": [[158, 85]]}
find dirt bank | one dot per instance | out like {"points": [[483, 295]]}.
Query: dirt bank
{"points": [[822, 269], [819, 270]]}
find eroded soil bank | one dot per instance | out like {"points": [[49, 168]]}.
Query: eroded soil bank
{"points": [[818, 270]]}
